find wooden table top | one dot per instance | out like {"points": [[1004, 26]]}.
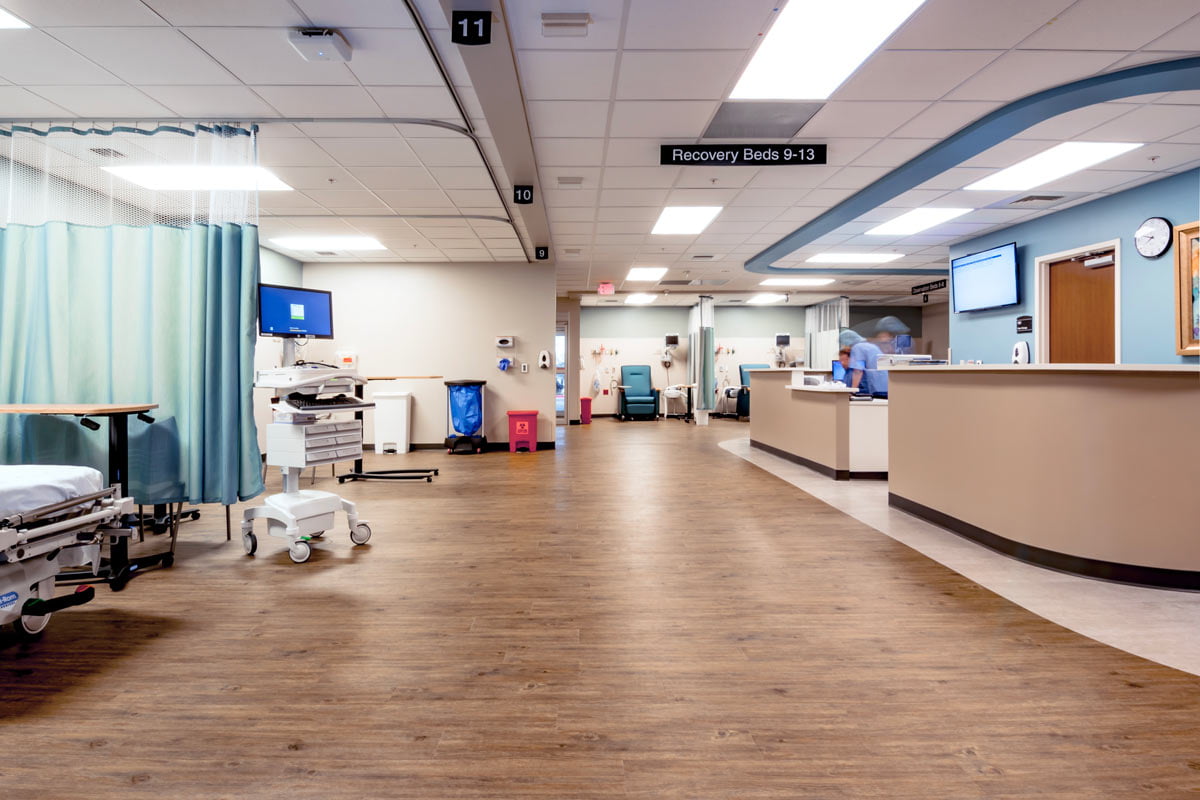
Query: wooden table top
{"points": [[77, 409]]}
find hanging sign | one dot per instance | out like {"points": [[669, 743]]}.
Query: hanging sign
{"points": [[541, 252], [932, 286], [523, 195], [741, 155], [471, 27]]}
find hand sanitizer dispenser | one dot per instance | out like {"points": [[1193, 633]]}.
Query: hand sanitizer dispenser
{"points": [[1020, 353]]}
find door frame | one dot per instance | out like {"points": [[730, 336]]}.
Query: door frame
{"points": [[1041, 297]]}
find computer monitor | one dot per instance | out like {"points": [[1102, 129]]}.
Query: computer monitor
{"points": [[783, 340], [672, 339], [983, 280], [291, 312], [839, 372]]}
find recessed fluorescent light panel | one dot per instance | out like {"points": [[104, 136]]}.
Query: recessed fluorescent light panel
{"points": [[7, 20], [813, 47], [853, 258], [1062, 159], [685, 219], [199, 177], [917, 220], [797, 282], [646, 273], [640, 299], [328, 243], [766, 299]]}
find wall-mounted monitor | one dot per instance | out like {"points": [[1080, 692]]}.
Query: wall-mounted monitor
{"points": [[987, 279], [783, 340], [672, 339], [290, 312]]}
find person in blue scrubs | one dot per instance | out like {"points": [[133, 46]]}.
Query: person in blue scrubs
{"points": [[864, 356]]}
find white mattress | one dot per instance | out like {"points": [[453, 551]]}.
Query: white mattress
{"points": [[25, 487]]}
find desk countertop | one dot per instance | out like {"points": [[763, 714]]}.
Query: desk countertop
{"points": [[822, 389], [77, 409], [1129, 369]]}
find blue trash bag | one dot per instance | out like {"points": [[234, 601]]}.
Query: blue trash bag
{"points": [[466, 409]]}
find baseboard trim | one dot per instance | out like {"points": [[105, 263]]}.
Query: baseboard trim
{"points": [[1153, 577], [829, 472]]}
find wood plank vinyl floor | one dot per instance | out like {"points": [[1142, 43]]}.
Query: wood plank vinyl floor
{"points": [[638, 614]]}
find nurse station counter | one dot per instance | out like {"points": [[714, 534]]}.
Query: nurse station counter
{"points": [[1089, 469]]}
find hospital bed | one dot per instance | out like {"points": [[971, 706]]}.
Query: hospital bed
{"points": [[51, 518]]}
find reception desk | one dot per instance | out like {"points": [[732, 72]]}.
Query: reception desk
{"points": [[1090, 469], [822, 429]]}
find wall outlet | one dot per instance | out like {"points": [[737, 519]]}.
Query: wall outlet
{"points": [[524, 367]]}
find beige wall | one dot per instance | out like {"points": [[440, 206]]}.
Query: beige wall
{"points": [[622, 351], [812, 425], [442, 319], [567, 313], [1101, 466]]}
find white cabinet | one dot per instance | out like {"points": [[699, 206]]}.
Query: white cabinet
{"points": [[312, 444]]}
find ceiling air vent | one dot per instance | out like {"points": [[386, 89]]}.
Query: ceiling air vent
{"points": [[708, 282], [573, 251], [1037, 202], [558, 24], [107, 152], [1038, 199], [703, 258], [853, 282], [326, 253], [570, 182], [684, 282]]}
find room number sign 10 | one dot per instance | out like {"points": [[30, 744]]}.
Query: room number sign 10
{"points": [[471, 27]]}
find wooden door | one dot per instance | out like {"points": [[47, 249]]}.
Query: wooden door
{"points": [[1082, 319]]}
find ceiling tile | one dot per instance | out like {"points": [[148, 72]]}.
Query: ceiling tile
{"points": [[364, 13], [264, 56], [706, 24], [716, 177], [569, 152], [974, 24], [474, 198], [432, 102], [1112, 25], [1181, 37], [894, 152], [308, 177], [445, 152], [219, 13], [569, 198], [371, 152], [1024, 72], [462, 177], [571, 213], [674, 119], [913, 74], [792, 177], [701, 197], [320, 101], [632, 152], [1145, 124], [563, 118], [333, 198], [679, 75], [394, 177], [944, 118], [633, 197], [392, 57], [31, 58], [83, 13], [18, 102], [575, 75], [126, 52], [426, 200], [104, 102], [1073, 123], [214, 102], [647, 177], [860, 119], [769, 197]]}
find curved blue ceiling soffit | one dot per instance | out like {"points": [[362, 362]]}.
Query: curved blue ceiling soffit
{"points": [[996, 127]]}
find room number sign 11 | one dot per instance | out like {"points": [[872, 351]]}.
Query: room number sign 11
{"points": [[471, 27]]}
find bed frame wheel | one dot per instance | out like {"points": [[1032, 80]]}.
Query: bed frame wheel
{"points": [[30, 628], [300, 551], [249, 543], [360, 533]]}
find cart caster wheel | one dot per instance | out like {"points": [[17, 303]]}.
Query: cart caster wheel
{"points": [[117, 582], [167, 560], [160, 527], [361, 533], [429, 480], [195, 515], [300, 551], [29, 628], [249, 543]]}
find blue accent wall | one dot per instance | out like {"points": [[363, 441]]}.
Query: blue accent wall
{"points": [[1147, 285]]}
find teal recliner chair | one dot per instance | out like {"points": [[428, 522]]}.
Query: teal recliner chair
{"points": [[743, 398], [636, 397]]}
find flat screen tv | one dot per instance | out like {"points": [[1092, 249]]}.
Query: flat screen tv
{"points": [[290, 312], [987, 279]]}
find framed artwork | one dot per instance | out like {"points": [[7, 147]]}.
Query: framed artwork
{"points": [[1187, 289]]}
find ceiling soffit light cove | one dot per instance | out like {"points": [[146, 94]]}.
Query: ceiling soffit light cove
{"points": [[1004, 123], [812, 48]]}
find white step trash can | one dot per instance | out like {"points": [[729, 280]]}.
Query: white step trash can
{"points": [[393, 411]]}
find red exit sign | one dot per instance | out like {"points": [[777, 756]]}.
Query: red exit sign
{"points": [[606, 288]]}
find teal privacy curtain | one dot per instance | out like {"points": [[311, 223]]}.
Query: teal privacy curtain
{"points": [[157, 306]]}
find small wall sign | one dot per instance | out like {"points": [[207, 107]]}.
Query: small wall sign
{"points": [[932, 286], [1025, 324]]}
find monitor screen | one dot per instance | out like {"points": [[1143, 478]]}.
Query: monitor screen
{"points": [[672, 339], [288, 311], [783, 340], [839, 372], [987, 279]]}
